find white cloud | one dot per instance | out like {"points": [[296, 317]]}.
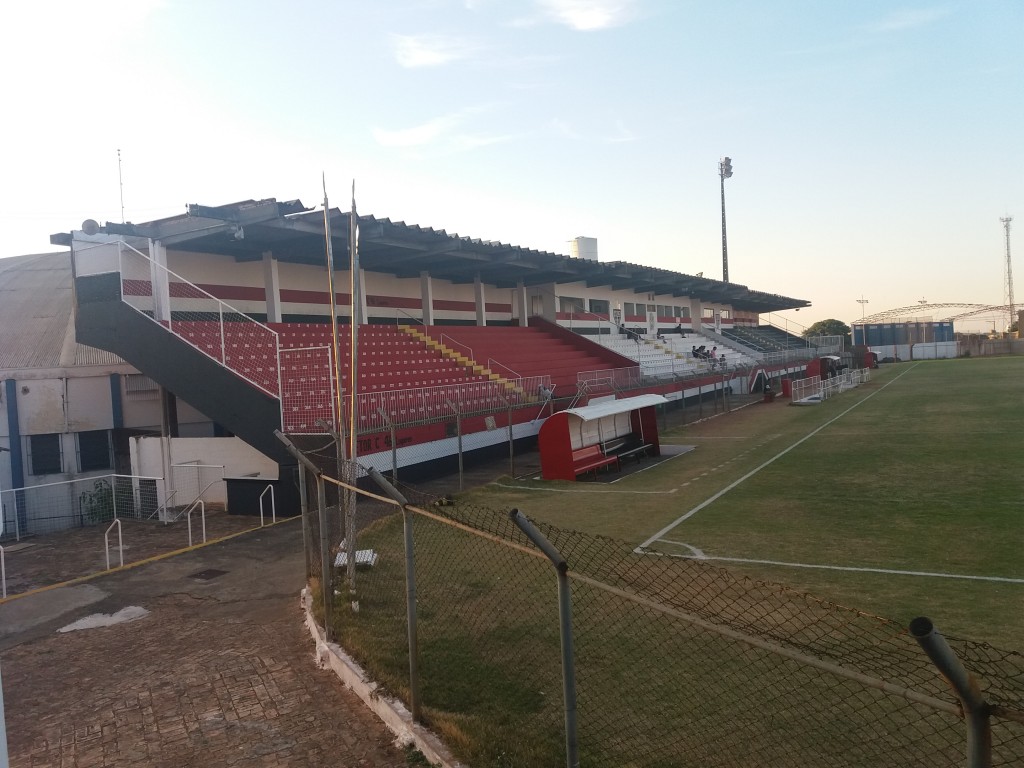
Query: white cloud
{"points": [[413, 51], [588, 15], [448, 133], [418, 135], [910, 19]]}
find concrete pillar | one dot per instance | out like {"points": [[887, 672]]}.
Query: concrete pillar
{"points": [[272, 286], [481, 305], [159, 282], [427, 298], [696, 308], [524, 313], [550, 303]]}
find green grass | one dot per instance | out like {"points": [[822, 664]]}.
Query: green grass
{"points": [[917, 470], [926, 473]]}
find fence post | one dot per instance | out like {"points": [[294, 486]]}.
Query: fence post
{"points": [[410, 591], [964, 684], [458, 431], [572, 755], [3, 729], [304, 510], [326, 587]]}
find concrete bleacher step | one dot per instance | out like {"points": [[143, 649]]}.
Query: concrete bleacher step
{"points": [[459, 358]]}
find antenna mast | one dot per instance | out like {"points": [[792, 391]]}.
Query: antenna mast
{"points": [[1009, 274], [120, 183]]}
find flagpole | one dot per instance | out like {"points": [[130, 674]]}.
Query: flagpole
{"points": [[356, 319], [355, 299], [334, 316]]}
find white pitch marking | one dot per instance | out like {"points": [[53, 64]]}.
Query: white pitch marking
{"points": [[697, 553], [779, 455], [859, 569], [545, 489]]}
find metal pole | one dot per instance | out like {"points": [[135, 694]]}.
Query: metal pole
{"points": [[326, 587], [511, 444], [3, 729], [572, 755], [410, 592], [725, 245], [304, 508], [976, 711], [458, 430]]}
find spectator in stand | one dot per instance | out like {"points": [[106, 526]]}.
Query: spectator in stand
{"points": [[679, 330]]}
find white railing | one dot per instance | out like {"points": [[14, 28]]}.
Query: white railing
{"points": [[273, 505], [815, 386], [803, 389], [379, 411], [616, 378], [120, 543], [188, 516], [827, 345]]}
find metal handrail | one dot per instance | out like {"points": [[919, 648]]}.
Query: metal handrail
{"points": [[188, 517], [273, 505], [120, 542], [445, 339], [3, 571], [400, 311], [491, 363]]}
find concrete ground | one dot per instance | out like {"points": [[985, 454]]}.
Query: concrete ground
{"points": [[219, 673]]}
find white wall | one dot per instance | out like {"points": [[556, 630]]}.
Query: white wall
{"points": [[237, 457], [935, 350]]}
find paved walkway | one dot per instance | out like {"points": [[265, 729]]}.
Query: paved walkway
{"points": [[219, 673], [52, 558]]}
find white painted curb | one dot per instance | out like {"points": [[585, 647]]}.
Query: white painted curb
{"points": [[391, 711]]}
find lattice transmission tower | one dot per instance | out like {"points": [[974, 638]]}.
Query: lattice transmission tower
{"points": [[1008, 272]]}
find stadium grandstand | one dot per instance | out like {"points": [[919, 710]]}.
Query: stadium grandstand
{"points": [[229, 309]]}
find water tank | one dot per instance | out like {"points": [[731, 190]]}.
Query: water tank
{"points": [[584, 248]]}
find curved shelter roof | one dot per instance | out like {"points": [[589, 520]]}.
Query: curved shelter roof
{"points": [[36, 320], [294, 233]]}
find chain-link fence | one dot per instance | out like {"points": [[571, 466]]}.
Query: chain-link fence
{"points": [[671, 662]]}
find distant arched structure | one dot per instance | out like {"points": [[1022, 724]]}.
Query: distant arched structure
{"points": [[965, 311]]}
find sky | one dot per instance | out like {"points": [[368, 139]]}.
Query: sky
{"points": [[875, 145]]}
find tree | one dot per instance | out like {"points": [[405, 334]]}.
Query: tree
{"points": [[830, 327]]}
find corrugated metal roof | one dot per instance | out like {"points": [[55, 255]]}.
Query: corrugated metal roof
{"points": [[612, 407], [36, 315]]}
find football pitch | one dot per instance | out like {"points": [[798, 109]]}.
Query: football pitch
{"points": [[903, 497]]}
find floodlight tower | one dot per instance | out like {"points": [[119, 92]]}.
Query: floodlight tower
{"points": [[1008, 289], [863, 332], [724, 172]]}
